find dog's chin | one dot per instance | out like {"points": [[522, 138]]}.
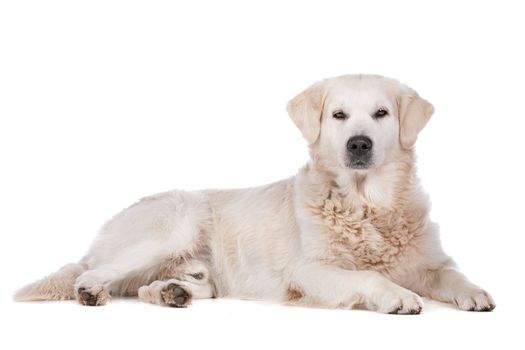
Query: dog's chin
{"points": [[359, 165]]}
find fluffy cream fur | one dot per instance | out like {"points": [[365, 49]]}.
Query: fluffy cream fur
{"points": [[331, 236]]}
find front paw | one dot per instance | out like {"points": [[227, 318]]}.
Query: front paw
{"points": [[475, 300], [399, 301]]}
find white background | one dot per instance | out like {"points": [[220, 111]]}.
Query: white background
{"points": [[102, 102]]}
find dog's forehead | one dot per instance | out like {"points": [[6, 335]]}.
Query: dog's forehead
{"points": [[359, 93]]}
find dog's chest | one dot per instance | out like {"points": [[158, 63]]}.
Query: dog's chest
{"points": [[364, 237]]}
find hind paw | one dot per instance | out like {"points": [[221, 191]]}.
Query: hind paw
{"points": [[175, 295], [92, 296], [167, 293]]}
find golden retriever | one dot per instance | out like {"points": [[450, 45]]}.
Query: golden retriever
{"points": [[350, 230]]}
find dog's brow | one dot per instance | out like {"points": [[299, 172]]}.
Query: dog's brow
{"points": [[379, 106]]}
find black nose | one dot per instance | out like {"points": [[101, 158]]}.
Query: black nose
{"points": [[359, 146]]}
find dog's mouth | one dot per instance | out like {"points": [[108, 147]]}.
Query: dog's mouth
{"points": [[359, 164]]}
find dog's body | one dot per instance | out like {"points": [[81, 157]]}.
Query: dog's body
{"points": [[351, 229]]}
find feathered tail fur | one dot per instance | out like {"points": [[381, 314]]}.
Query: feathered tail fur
{"points": [[57, 286]]}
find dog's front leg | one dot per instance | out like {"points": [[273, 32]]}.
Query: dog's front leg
{"points": [[322, 285], [449, 285]]}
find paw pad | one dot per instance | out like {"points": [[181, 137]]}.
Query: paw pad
{"points": [[89, 299], [176, 296]]}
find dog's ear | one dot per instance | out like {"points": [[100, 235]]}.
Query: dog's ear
{"points": [[414, 113], [306, 109]]}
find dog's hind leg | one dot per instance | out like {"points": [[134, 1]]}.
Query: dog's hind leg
{"points": [[140, 238]]}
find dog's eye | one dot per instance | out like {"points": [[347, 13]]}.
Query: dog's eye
{"points": [[381, 112], [339, 115]]}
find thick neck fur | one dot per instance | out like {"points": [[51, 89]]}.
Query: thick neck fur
{"points": [[367, 220], [385, 187]]}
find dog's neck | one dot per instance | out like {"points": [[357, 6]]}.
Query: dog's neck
{"points": [[383, 187]]}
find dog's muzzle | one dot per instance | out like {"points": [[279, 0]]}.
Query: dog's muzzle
{"points": [[359, 150]]}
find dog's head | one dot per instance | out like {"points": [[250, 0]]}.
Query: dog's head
{"points": [[359, 122]]}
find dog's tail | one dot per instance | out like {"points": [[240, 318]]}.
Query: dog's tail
{"points": [[57, 286]]}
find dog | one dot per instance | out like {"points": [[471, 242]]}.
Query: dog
{"points": [[350, 230]]}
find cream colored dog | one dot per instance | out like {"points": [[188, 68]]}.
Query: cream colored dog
{"points": [[351, 229]]}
